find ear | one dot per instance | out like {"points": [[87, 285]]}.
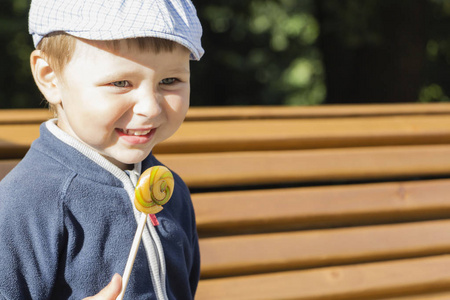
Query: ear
{"points": [[45, 77]]}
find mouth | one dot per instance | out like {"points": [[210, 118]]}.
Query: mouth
{"points": [[135, 132], [136, 136]]}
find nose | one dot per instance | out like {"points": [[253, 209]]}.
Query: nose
{"points": [[148, 105]]}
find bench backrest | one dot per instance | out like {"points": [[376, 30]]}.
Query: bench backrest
{"points": [[330, 202]]}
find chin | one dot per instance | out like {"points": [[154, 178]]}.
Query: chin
{"points": [[134, 159]]}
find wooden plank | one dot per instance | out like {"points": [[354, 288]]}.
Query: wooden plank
{"points": [[284, 167], [16, 139], [253, 211], [287, 134], [383, 279], [262, 253], [19, 134], [328, 111], [26, 116]]}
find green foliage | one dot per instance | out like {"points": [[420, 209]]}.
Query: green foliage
{"points": [[259, 52], [17, 88], [266, 52], [356, 23], [436, 86]]}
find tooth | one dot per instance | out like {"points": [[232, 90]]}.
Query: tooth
{"points": [[136, 132]]}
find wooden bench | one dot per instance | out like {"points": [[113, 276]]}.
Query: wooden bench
{"points": [[329, 202]]}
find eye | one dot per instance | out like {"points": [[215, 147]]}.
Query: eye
{"points": [[121, 83], [168, 81]]}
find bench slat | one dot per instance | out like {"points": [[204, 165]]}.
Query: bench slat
{"points": [[22, 116], [15, 140], [19, 134], [251, 135], [344, 282], [317, 207], [328, 111], [251, 254], [284, 167]]}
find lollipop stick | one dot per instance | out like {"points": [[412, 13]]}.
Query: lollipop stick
{"points": [[132, 255]]}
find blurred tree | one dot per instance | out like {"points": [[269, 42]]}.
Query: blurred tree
{"points": [[435, 85], [17, 88], [258, 52], [373, 50], [292, 52]]}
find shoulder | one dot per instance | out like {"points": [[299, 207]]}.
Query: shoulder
{"points": [[28, 195], [33, 188], [35, 174]]}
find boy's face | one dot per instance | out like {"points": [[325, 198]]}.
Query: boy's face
{"points": [[123, 103]]}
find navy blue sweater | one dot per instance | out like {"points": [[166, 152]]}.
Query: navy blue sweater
{"points": [[67, 224]]}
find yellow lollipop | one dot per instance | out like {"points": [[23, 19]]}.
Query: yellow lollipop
{"points": [[154, 189]]}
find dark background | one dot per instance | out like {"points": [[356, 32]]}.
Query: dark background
{"points": [[287, 52]]}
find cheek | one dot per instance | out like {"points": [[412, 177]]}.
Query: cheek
{"points": [[178, 107], [104, 108], [93, 117], [179, 103], [106, 111]]}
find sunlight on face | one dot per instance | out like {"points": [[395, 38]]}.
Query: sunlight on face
{"points": [[123, 102]]}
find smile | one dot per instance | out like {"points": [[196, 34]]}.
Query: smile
{"points": [[135, 132], [136, 137]]}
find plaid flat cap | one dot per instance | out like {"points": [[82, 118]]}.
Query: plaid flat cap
{"points": [[174, 20]]}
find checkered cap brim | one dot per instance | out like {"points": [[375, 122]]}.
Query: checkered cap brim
{"points": [[174, 20]]}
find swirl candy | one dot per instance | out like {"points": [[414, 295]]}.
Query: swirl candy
{"points": [[154, 189]]}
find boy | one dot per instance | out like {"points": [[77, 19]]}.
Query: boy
{"points": [[116, 73]]}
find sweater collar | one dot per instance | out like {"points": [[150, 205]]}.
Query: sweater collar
{"points": [[67, 149]]}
